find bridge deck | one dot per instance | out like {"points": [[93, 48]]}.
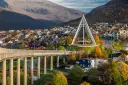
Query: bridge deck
{"points": [[15, 53]]}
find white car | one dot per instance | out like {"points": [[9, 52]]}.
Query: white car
{"points": [[86, 69], [69, 67]]}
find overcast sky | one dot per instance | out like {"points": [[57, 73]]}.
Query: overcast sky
{"points": [[83, 5]]}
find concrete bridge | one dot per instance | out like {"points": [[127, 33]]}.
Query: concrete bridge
{"points": [[11, 54]]}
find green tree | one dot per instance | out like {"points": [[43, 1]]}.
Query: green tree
{"points": [[52, 46], [22, 78], [115, 74], [61, 48], [76, 75], [85, 83], [44, 79]]}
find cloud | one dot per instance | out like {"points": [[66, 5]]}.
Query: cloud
{"points": [[83, 5]]}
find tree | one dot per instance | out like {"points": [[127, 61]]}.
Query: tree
{"points": [[100, 76], [0, 78], [61, 48], [69, 40], [85, 83], [101, 42], [97, 39], [59, 79], [22, 78], [105, 74], [104, 51], [52, 46], [81, 52], [97, 52], [86, 53], [8, 80], [76, 75], [124, 70], [73, 56], [44, 79], [115, 74]]}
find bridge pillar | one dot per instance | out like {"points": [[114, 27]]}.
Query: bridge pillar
{"points": [[25, 70], [31, 70], [51, 68], [11, 71], [18, 71], [38, 68], [45, 61], [58, 61], [4, 72]]}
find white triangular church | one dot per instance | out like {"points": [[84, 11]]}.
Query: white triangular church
{"points": [[83, 36]]}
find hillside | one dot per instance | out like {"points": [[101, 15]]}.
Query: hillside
{"points": [[13, 20], [41, 9], [113, 11]]}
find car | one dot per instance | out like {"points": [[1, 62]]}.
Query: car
{"points": [[69, 67], [86, 69]]}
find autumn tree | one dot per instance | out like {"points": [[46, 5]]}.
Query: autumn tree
{"points": [[81, 52], [8, 80], [59, 79], [97, 52], [86, 53], [123, 67], [97, 39], [69, 40], [115, 74], [73, 56]]}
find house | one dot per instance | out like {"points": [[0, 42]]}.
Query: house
{"points": [[115, 56], [126, 47], [123, 34], [91, 62]]}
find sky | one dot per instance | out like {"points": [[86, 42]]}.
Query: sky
{"points": [[82, 5]]}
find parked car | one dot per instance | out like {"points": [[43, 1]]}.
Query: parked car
{"points": [[69, 67]]}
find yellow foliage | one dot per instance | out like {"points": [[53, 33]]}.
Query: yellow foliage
{"points": [[73, 56], [59, 79], [98, 52], [124, 70], [86, 53], [101, 42], [81, 52], [114, 61], [85, 83], [69, 40], [97, 39]]}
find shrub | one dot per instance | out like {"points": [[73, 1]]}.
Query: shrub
{"points": [[59, 79], [44, 79]]}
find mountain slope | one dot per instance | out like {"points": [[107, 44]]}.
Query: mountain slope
{"points": [[41, 9], [12, 20], [113, 11]]}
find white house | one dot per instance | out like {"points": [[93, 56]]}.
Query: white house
{"points": [[123, 33]]}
